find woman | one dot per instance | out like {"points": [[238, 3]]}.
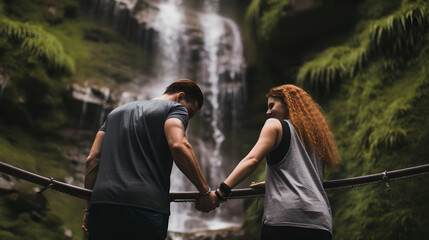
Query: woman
{"points": [[296, 142]]}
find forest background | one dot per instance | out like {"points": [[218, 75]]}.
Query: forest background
{"points": [[366, 62]]}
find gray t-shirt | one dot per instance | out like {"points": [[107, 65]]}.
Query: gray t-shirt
{"points": [[136, 162]]}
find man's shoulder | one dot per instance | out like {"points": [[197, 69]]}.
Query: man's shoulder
{"points": [[161, 104], [148, 103], [158, 106]]}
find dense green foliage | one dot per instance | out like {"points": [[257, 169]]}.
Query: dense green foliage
{"points": [[60, 46], [35, 64], [36, 42], [373, 83], [393, 37], [45, 46], [20, 218], [382, 126], [264, 16]]}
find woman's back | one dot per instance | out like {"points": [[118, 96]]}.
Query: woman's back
{"points": [[294, 189]]}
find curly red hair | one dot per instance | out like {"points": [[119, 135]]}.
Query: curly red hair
{"points": [[310, 124]]}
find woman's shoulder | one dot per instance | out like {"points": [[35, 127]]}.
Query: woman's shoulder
{"points": [[273, 123]]}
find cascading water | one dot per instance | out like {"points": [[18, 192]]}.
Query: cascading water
{"points": [[84, 104], [106, 94], [170, 24]]}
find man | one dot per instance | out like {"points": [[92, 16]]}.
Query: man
{"points": [[130, 163]]}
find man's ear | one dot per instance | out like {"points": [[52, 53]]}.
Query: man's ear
{"points": [[180, 96]]}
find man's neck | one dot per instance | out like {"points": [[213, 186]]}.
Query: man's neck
{"points": [[169, 97]]}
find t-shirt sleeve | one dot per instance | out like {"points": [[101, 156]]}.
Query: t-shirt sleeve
{"points": [[103, 127], [179, 111]]}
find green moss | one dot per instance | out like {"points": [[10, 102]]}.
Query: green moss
{"points": [[21, 149], [69, 210], [101, 62]]}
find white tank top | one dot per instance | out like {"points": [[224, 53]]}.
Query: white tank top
{"points": [[294, 193]]}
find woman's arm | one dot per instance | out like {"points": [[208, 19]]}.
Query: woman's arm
{"points": [[269, 139]]}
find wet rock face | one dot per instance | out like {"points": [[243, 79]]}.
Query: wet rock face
{"points": [[21, 200], [145, 12], [89, 105], [7, 183], [75, 151]]}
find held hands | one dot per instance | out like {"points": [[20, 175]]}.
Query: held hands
{"points": [[207, 202], [210, 201]]}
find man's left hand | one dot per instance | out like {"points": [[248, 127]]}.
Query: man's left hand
{"points": [[85, 223], [207, 203]]}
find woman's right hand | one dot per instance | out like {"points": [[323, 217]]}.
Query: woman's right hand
{"points": [[258, 185]]}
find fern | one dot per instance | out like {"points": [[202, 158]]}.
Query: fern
{"points": [[263, 16], [388, 137], [253, 14], [397, 109], [331, 67], [271, 18], [396, 35], [37, 42], [399, 33]]}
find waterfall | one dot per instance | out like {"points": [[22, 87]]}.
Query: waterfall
{"points": [[213, 28], [106, 93], [85, 103]]}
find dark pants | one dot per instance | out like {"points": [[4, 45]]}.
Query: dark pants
{"points": [[108, 221], [293, 233]]}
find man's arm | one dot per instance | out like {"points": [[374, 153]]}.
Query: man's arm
{"points": [[93, 159], [91, 170], [183, 153], [185, 159]]}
